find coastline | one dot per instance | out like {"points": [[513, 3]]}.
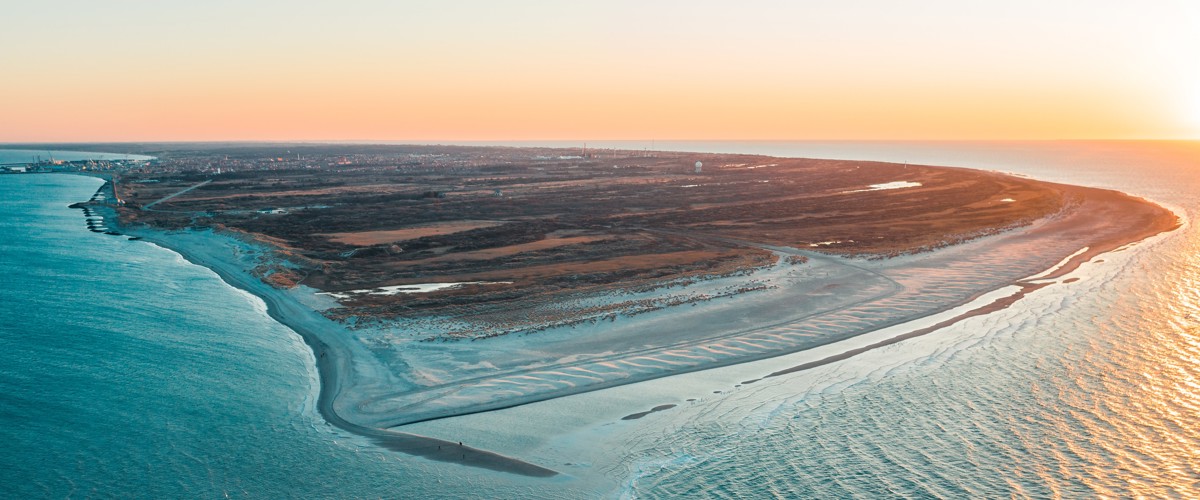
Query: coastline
{"points": [[719, 406], [930, 283], [340, 358], [333, 361]]}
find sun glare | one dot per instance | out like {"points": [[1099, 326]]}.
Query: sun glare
{"points": [[1193, 114]]}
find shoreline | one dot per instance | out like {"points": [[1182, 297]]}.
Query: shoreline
{"points": [[335, 355], [575, 431], [1091, 224], [333, 361]]}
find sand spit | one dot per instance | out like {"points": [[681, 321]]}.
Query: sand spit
{"points": [[641, 414], [839, 299], [994, 306], [372, 380], [333, 346]]}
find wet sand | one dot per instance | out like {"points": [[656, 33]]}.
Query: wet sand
{"points": [[333, 358], [907, 288], [352, 378], [1097, 208], [997, 305], [641, 414]]}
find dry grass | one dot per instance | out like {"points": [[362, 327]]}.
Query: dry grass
{"points": [[368, 238]]}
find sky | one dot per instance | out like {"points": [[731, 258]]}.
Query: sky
{"points": [[141, 70]]}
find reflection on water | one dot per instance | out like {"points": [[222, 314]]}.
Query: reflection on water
{"points": [[131, 381], [1148, 390], [1093, 390]]}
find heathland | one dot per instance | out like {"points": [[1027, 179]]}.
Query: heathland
{"points": [[434, 281]]}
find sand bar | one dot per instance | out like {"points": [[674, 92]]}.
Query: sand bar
{"points": [[365, 393]]}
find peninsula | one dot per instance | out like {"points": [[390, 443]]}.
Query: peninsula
{"points": [[434, 281]]}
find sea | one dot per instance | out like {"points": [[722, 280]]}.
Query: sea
{"points": [[126, 371]]}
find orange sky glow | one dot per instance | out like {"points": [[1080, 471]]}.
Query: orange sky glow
{"points": [[429, 71]]}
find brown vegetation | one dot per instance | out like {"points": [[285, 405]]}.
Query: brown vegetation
{"points": [[554, 222]]}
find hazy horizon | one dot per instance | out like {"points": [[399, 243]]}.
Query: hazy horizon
{"points": [[530, 71]]}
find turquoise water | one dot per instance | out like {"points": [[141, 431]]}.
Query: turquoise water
{"points": [[126, 371]]}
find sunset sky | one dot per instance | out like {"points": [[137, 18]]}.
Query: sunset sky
{"points": [[128, 70]]}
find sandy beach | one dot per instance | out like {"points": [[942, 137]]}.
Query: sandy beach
{"points": [[600, 249], [373, 392], [331, 345]]}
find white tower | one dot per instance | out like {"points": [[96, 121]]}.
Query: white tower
{"points": [[699, 166]]}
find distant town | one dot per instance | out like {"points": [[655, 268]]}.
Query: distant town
{"points": [[232, 159], [49, 164]]}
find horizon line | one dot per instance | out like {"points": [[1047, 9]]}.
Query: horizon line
{"points": [[580, 141]]}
